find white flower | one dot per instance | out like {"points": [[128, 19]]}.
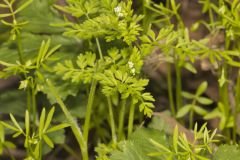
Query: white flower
{"points": [[118, 10], [133, 70], [130, 64]]}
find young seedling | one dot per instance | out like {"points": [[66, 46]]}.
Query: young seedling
{"points": [[194, 107], [34, 138], [181, 147]]}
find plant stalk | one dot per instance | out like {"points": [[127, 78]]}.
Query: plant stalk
{"points": [[179, 85], [112, 122], [191, 119], [74, 126], [91, 99], [121, 119], [131, 118], [99, 49], [29, 100], [89, 110], [34, 107], [170, 93], [237, 108], [20, 50]]}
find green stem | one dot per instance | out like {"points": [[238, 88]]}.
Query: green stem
{"points": [[99, 49], [18, 34], [224, 98], [191, 115], [74, 126], [29, 100], [191, 119], [145, 20], [178, 85], [131, 118], [112, 122], [89, 110], [34, 107], [237, 108], [168, 3], [20, 50], [170, 93], [210, 12], [121, 119], [225, 95], [90, 100]]}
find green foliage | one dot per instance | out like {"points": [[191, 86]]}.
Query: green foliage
{"points": [[13, 102], [3, 143], [138, 146], [196, 98], [102, 18], [34, 64], [220, 112], [95, 91], [182, 148], [103, 152], [34, 138], [43, 16], [116, 81], [83, 73], [15, 25], [225, 152], [151, 144]]}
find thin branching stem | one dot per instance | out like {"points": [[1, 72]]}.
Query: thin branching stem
{"points": [[191, 115], [131, 118], [91, 99], [99, 48], [112, 121], [20, 50], [89, 110], [74, 125], [170, 93], [34, 106], [178, 85], [121, 119], [237, 108]]}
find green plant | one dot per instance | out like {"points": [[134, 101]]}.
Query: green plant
{"points": [[86, 57], [227, 151], [193, 107], [34, 138], [115, 21], [182, 148]]}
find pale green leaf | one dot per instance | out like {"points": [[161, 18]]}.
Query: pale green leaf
{"points": [[24, 5], [48, 141], [57, 127], [41, 122], [15, 122], [187, 95], [204, 100], [184, 110], [49, 119], [202, 88], [200, 110]]}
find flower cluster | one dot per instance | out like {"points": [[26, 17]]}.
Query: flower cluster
{"points": [[131, 66], [118, 11]]}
